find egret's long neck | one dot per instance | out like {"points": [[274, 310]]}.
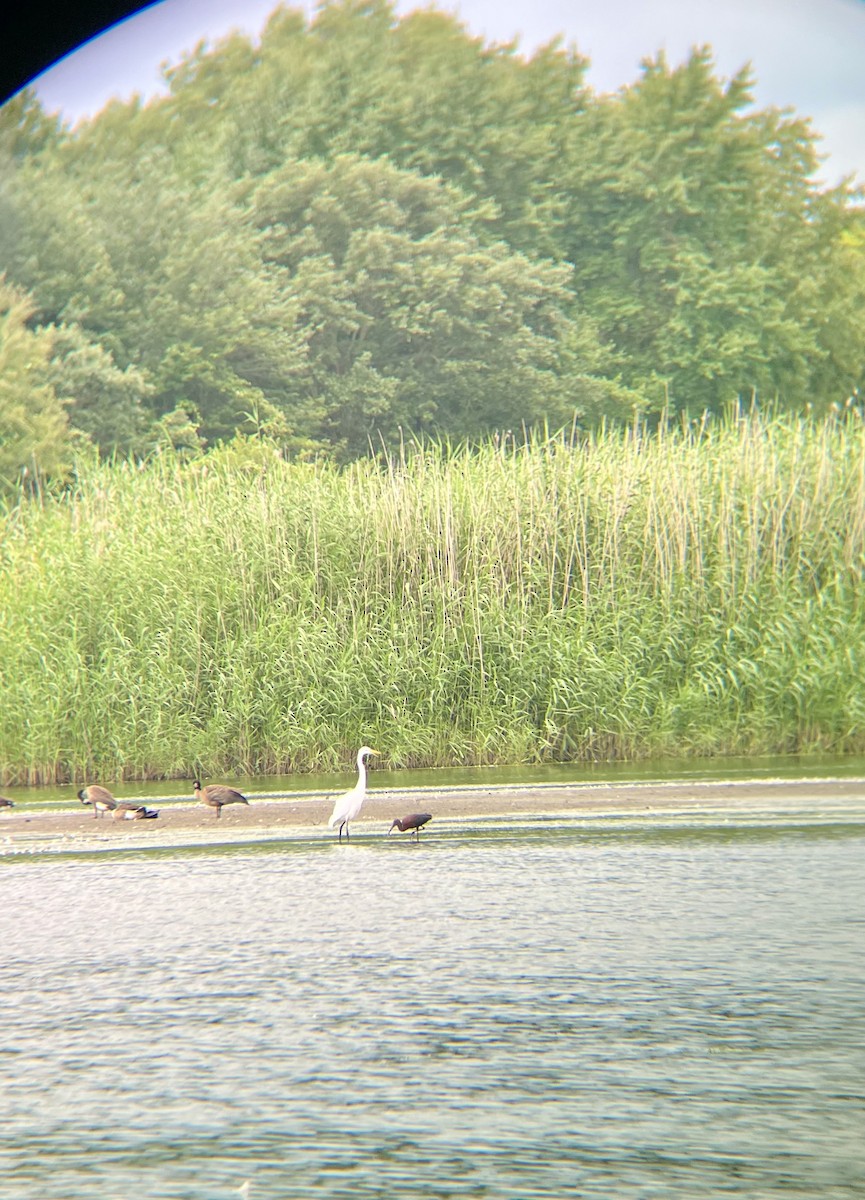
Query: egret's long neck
{"points": [[361, 772]]}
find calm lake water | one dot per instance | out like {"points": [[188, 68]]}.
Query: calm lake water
{"points": [[591, 1009], [778, 766]]}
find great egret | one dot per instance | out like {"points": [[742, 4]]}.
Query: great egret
{"points": [[133, 812], [413, 821], [99, 797], [348, 806], [216, 795]]}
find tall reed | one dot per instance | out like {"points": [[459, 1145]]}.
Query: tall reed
{"points": [[688, 592]]}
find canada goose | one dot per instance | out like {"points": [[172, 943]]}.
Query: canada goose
{"points": [[348, 806], [133, 812], [414, 821], [99, 797], [216, 795], [4, 803]]}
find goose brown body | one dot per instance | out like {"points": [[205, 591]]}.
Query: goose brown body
{"points": [[216, 795], [99, 797]]}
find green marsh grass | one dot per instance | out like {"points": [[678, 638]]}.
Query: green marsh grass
{"points": [[692, 592]]}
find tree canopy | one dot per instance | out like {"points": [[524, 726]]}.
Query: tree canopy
{"points": [[363, 227]]}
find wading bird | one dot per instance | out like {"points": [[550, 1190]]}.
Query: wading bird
{"points": [[99, 797], [413, 821], [348, 806], [133, 812], [216, 795], [4, 803]]}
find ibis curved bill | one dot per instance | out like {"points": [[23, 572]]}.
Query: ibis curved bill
{"points": [[413, 821]]}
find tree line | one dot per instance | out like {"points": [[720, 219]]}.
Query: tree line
{"points": [[365, 228]]}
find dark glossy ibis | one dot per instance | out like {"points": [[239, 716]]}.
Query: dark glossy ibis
{"points": [[414, 821]]}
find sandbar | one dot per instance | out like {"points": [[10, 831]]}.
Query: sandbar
{"points": [[278, 817]]}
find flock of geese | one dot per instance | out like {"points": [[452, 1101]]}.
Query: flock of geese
{"points": [[216, 796]]}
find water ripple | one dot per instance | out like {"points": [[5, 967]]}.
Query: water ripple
{"points": [[512, 1018]]}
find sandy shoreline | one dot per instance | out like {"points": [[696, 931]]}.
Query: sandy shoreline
{"points": [[268, 819]]}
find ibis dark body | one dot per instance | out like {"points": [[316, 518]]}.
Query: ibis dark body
{"points": [[4, 803], [413, 821], [217, 795]]}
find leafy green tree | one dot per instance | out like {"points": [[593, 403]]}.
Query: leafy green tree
{"points": [[166, 276], [105, 403], [25, 128], [487, 118], [177, 432], [690, 223], [34, 435], [418, 90], [688, 215], [369, 225], [832, 301], [412, 322], [51, 245]]}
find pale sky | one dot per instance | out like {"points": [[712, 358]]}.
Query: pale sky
{"points": [[807, 54]]}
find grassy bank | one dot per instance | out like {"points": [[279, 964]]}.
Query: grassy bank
{"points": [[631, 596]]}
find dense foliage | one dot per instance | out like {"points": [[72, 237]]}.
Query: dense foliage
{"points": [[693, 592], [367, 228]]}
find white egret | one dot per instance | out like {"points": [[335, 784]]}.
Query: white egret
{"points": [[348, 806], [216, 795], [99, 797]]}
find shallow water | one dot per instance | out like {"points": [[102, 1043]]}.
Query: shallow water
{"points": [[778, 766], [623, 1010]]}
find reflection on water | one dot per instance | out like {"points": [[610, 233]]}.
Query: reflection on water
{"points": [[665, 1014]]}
